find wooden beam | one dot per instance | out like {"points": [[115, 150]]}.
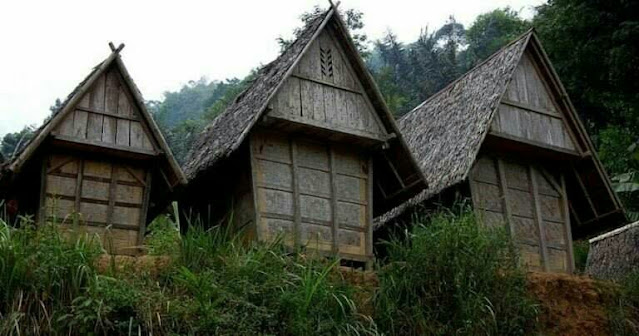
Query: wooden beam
{"points": [[531, 108], [334, 203], [369, 208], [534, 143], [538, 216], [254, 191], [145, 206], [112, 187], [392, 167], [41, 215], [567, 227], [78, 185], [501, 172], [105, 145], [105, 113], [297, 212], [585, 191], [321, 82], [574, 213]]}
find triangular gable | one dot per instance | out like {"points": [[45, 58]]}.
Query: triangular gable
{"points": [[107, 115], [446, 132], [228, 131], [324, 91], [106, 109], [529, 112]]}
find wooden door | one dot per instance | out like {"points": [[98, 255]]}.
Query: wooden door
{"points": [[316, 194], [530, 202], [106, 198]]}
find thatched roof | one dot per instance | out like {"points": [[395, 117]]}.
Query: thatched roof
{"points": [[225, 134], [14, 165], [614, 254], [446, 131]]}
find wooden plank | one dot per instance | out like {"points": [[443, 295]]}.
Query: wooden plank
{"points": [[585, 191], [137, 135], [534, 143], [66, 126], [112, 91], [538, 217], [319, 113], [80, 122], [306, 93], [297, 223], [123, 132], [95, 123], [501, 172], [145, 207], [567, 225]]}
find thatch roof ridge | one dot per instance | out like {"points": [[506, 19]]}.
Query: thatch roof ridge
{"points": [[615, 254], [445, 132], [226, 132]]}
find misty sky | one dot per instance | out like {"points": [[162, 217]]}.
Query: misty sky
{"points": [[49, 46]]}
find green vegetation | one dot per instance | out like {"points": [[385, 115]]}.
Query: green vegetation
{"points": [[580, 250], [211, 282], [624, 313], [451, 276]]}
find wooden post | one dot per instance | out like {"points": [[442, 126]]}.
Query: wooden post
{"points": [[112, 186], [78, 185], [568, 229], [369, 222], [145, 206], [501, 172], [297, 225], [585, 191], [335, 228], [41, 215], [538, 216], [255, 191]]}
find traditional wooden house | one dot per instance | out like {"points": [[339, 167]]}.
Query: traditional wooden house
{"points": [[309, 150], [100, 156], [506, 135]]}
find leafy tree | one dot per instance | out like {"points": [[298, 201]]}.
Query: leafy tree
{"points": [[12, 143], [490, 31], [594, 45]]}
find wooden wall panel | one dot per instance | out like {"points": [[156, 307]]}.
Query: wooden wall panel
{"points": [[529, 201], [312, 193], [101, 193]]}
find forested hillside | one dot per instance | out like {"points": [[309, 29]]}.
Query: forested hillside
{"points": [[592, 44]]}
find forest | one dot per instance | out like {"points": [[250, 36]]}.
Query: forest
{"points": [[593, 46]]}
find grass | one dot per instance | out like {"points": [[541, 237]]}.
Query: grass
{"points": [[447, 275], [214, 285], [450, 276]]}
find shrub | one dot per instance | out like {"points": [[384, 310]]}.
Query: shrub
{"points": [[451, 276]]}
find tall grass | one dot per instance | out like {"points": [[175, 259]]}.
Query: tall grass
{"points": [[451, 276], [215, 285]]}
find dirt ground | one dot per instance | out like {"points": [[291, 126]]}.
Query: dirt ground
{"points": [[571, 305]]}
